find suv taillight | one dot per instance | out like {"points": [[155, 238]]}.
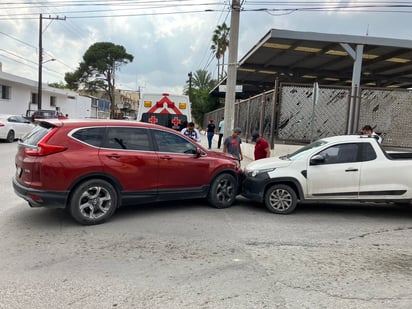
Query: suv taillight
{"points": [[44, 149]]}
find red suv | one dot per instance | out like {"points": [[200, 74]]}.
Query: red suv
{"points": [[92, 167]]}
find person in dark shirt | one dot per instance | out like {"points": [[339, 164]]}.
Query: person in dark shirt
{"points": [[210, 132], [232, 143]]}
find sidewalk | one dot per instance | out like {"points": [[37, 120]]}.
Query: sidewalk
{"points": [[246, 156]]}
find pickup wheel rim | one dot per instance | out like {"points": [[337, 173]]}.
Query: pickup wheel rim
{"points": [[280, 199]]}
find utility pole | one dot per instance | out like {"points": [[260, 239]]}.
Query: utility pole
{"points": [[39, 85], [230, 95]]}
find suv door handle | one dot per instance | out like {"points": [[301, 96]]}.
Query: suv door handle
{"points": [[166, 158], [113, 156], [351, 170]]}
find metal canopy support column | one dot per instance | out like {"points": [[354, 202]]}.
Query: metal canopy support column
{"points": [[356, 55]]}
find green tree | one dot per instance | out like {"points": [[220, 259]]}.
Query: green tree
{"points": [[220, 43], [202, 102], [59, 85], [97, 70]]}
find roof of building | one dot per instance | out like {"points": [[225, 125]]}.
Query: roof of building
{"points": [[306, 57]]}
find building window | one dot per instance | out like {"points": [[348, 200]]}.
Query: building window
{"points": [[5, 92], [34, 98], [53, 101]]}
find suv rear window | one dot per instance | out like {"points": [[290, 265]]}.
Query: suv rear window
{"points": [[37, 134], [92, 136]]}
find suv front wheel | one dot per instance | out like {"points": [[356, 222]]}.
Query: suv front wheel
{"points": [[93, 202], [223, 191]]}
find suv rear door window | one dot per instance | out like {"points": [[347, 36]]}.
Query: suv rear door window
{"points": [[127, 138]]}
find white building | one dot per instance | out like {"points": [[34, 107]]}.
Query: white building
{"points": [[19, 95]]}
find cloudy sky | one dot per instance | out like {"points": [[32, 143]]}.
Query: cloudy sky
{"points": [[169, 39]]}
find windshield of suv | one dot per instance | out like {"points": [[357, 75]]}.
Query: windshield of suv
{"points": [[304, 150]]}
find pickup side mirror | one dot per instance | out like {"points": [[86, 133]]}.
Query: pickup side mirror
{"points": [[317, 159]]}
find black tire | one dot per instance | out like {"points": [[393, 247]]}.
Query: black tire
{"points": [[223, 191], [281, 199], [10, 136], [93, 202]]}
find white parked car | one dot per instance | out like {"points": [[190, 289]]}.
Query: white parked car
{"points": [[13, 127]]}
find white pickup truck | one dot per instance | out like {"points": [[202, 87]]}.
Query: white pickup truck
{"points": [[339, 168]]}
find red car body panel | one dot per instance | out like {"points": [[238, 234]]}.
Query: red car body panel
{"points": [[138, 176]]}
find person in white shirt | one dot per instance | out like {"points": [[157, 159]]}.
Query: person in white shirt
{"points": [[368, 130], [192, 132]]}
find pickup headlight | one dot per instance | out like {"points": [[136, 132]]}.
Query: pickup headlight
{"points": [[254, 173]]}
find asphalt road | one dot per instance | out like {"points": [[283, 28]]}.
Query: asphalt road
{"points": [[189, 255]]}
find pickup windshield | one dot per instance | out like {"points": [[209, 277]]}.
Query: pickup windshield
{"points": [[302, 151]]}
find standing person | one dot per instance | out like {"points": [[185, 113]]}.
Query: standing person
{"points": [[367, 130], [210, 132], [262, 149], [232, 143], [192, 132], [221, 131]]}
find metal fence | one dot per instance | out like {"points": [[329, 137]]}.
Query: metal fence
{"points": [[288, 114]]}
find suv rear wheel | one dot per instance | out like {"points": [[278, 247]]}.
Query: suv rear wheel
{"points": [[223, 191], [281, 199], [93, 202]]}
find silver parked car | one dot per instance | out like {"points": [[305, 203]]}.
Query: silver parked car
{"points": [[13, 127]]}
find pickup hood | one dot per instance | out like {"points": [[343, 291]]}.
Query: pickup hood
{"points": [[274, 162]]}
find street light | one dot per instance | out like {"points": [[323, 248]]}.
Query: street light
{"points": [[39, 86]]}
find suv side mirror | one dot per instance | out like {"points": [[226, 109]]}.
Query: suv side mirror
{"points": [[317, 159], [198, 152]]}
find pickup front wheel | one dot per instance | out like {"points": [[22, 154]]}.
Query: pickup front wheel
{"points": [[281, 199]]}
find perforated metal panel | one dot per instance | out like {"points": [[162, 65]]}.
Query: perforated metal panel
{"points": [[389, 112], [296, 113]]}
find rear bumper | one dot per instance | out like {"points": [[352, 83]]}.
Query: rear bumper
{"points": [[41, 198]]}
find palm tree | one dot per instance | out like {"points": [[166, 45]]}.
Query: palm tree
{"points": [[201, 80], [202, 102], [220, 42]]}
